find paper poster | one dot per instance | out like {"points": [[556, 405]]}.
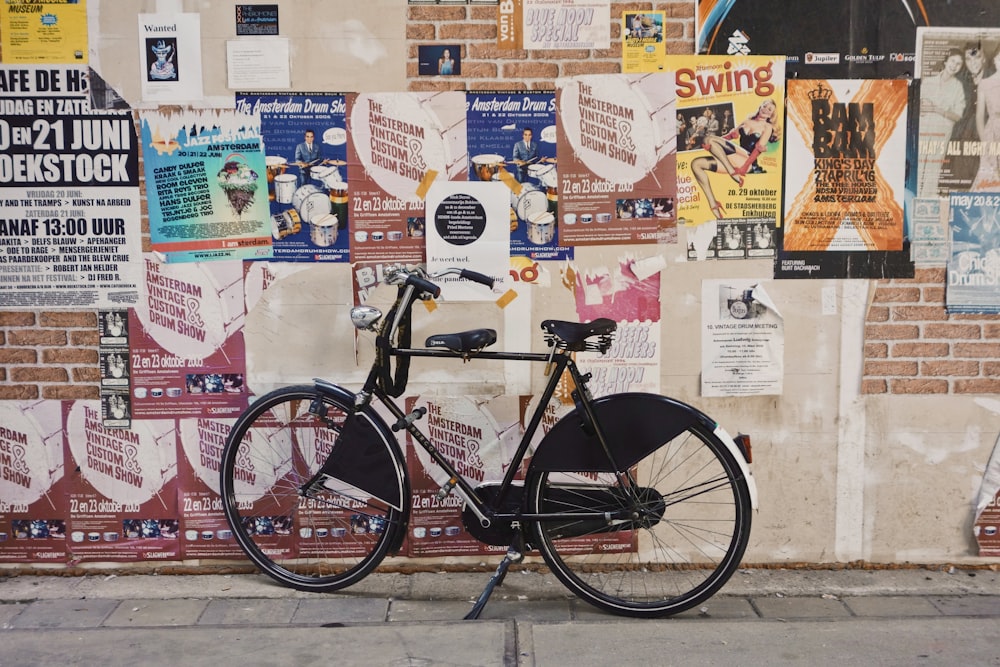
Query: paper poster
{"points": [[974, 263], [468, 228], [743, 340], [617, 158], [206, 186], [69, 194], [512, 140], [36, 31], [730, 139], [33, 504], [929, 220], [305, 136], [553, 24], [398, 144], [186, 341], [170, 57], [122, 488], [644, 48]]}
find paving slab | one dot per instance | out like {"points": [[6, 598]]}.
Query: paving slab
{"points": [[968, 605], [341, 610], [899, 605], [424, 610], [9, 612], [64, 614], [259, 611], [721, 607], [156, 613], [800, 607]]}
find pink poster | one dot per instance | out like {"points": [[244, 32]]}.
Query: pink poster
{"points": [[32, 494]]}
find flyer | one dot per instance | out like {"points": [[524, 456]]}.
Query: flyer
{"points": [[33, 505], [170, 62], [305, 136], [512, 140], [617, 158], [206, 186], [974, 263], [122, 488], [730, 140], [743, 340], [553, 24], [846, 165], [69, 194], [644, 48], [397, 145], [40, 31], [186, 346], [930, 232]]}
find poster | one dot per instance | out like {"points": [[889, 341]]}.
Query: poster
{"points": [[553, 24], [203, 531], [467, 228], [959, 130], [512, 140], [170, 58], [730, 147], [644, 48], [986, 526], [186, 341], [846, 165], [974, 263], [44, 31], [121, 488], [617, 158], [206, 186], [831, 38], [69, 194], [398, 144], [743, 340], [305, 136], [33, 505], [930, 232]]}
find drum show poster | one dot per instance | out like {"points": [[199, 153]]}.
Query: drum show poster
{"points": [[729, 153], [33, 503], [846, 157], [616, 142], [397, 145], [512, 142], [121, 488], [206, 187], [305, 141], [186, 342]]}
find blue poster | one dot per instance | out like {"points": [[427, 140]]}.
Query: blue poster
{"points": [[305, 144], [512, 141]]}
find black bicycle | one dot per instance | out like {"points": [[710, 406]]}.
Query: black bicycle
{"points": [[639, 503]]}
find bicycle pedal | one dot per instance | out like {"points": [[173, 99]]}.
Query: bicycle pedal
{"points": [[403, 422]]}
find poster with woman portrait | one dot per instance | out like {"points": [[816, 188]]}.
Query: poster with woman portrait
{"points": [[729, 153]]}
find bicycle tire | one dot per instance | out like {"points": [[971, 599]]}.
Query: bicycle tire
{"points": [[662, 569], [323, 543]]}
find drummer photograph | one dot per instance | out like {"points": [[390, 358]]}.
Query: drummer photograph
{"points": [[525, 152], [308, 155]]}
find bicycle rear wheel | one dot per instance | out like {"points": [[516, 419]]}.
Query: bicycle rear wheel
{"points": [[689, 542], [328, 540]]}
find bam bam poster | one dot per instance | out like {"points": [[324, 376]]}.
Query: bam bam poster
{"points": [[844, 180], [730, 146]]}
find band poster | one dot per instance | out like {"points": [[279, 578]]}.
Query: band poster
{"points": [[553, 24], [974, 263], [186, 341], [832, 38], [644, 48], [959, 130], [617, 148], [206, 186], [730, 143], [397, 145], [40, 31], [70, 232], [305, 137], [512, 141], [845, 180]]}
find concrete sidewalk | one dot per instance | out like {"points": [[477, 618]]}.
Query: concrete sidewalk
{"points": [[760, 617]]}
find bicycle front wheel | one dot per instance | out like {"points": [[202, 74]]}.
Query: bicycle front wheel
{"points": [[336, 535], [691, 527]]}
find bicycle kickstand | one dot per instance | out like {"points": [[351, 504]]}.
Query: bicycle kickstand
{"points": [[515, 554]]}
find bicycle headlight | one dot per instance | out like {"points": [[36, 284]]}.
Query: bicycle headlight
{"points": [[365, 317]]}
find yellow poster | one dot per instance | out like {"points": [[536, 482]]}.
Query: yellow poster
{"points": [[36, 31], [643, 45]]}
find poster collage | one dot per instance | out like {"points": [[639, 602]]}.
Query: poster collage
{"points": [[823, 171]]}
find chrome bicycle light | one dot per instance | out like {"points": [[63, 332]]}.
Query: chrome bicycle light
{"points": [[365, 317]]}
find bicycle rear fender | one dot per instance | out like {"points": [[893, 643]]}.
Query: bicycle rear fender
{"points": [[635, 424]]}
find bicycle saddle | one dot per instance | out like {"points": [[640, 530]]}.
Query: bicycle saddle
{"points": [[574, 333], [463, 341]]}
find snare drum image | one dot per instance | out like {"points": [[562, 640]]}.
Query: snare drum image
{"points": [[323, 230], [284, 188], [311, 202]]}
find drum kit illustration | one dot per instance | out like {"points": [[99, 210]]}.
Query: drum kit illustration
{"points": [[534, 202], [320, 203]]}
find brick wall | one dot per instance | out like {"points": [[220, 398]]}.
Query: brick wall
{"points": [[913, 346], [49, 355]]}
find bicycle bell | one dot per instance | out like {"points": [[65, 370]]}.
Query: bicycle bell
{"points": [[365, 317]]}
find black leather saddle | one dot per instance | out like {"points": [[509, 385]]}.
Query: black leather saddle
{"points": [[463, 341]]}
